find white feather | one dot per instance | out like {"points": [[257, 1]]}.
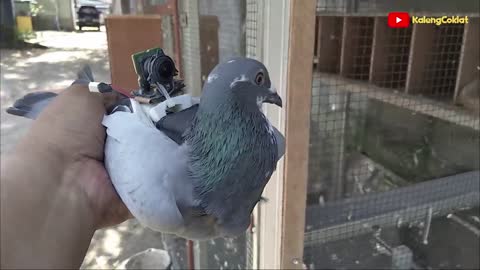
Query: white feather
{"points": [[212, 77], [242, 78], [143, 164], [147, 168]]}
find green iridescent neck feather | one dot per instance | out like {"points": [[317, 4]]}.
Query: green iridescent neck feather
{"points": [[231, 154]]}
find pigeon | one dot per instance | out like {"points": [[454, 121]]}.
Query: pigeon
{"points": [[199, 170], [469, 96]]}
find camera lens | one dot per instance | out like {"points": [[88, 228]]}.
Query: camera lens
{"points": [[166, 69]]}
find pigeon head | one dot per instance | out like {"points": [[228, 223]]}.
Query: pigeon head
{"points": [[242, 80]]}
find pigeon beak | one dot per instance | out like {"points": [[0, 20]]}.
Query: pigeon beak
{"points": [[273, 98]]}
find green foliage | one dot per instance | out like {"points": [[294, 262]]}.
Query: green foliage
{"points": [[27, 8], [24, 36], [35, 9]]}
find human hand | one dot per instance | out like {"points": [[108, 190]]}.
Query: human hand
{"points": [[69, 138]]}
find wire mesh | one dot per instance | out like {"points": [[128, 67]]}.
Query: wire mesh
{"points": [[392, 162], [251, 28], [177, 249], [389, 67], [347, 6], [358, 44], [252, 33], [441, 73], [222, 253], [381, 7], [329, 41]]}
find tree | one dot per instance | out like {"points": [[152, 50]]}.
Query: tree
{"points": [[7, 23]]}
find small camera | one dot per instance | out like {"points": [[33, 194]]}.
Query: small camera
{"points": [[155, 69]]}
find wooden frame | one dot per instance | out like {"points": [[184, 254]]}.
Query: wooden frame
{"points": [[191, 46], [123, 32], [170, 8], [346, 60], [288, 53], [378, 51], [298, 103], [329, 43], [422, 39], [420, 43], [281, 240], [350, 59], [389, 59]]}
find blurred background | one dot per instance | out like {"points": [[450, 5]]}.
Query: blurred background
{"points": [[392, 135]]}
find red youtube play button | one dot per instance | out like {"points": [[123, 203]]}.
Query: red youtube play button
{"points": [[398, 19]]}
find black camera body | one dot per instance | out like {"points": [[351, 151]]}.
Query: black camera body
{"points": [[156, 69]]}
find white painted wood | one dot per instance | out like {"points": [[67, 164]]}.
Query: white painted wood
{"points": [[275, 56]]}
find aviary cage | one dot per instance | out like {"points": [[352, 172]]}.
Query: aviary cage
{"points": [[382, 162], [393, 174], [379, 146]]}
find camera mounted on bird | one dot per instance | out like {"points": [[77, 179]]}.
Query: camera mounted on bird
{"points": [[156, 76]]}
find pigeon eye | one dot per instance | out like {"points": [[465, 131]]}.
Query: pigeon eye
{"points": [[260, 78]]}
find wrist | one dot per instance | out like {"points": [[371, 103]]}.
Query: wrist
{"points": [[78, 180], [48, 222], [53, 177]]}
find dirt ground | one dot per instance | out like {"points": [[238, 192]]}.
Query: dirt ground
{"points": [[53, 69]]}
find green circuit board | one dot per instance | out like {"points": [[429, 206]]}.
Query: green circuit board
{"points": [[139, 56]]}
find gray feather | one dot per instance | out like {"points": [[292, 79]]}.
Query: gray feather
{"points": [[280, 142], [233, 154], [84, 76], [32, 104]]}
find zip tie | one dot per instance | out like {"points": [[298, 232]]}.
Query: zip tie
{"points": [[168, 99]]}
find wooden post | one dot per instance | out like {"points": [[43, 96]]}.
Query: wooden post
{"points": [[357, 38], [346, 57], [127, 35], [170, 8], [209, 44], [421, 44], [298, 103], [379, 54], [389, 59], [329, 43]]}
